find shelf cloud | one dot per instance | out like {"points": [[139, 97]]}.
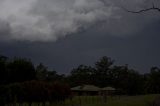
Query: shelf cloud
{"points": [[48, 20]]}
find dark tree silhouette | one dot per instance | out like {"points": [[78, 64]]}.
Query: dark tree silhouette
{"points": [[33, 91], [21, 70], [41, 72], [81, 75], [153, 81], [102, 71], [3, 70], [130, 81]]}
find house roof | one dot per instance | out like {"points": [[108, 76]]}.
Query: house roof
{"points": [[86, 88], [108, 89]]}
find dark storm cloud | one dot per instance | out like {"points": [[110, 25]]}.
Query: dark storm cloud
{"points": [[39, 20], [49, 20]]}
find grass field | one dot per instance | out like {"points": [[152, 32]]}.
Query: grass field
{"points": [[143, 100]]}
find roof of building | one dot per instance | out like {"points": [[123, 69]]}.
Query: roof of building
{"points": [[86, 88], [108, 89]]}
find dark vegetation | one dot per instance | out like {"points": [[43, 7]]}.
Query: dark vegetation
{"points": [[33, 91], [21, 81], [127, 80]]}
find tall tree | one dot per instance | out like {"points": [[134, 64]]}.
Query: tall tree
{"points": [[3, 69], [21, 70], [81, 75], [53, 76], [153, 84], [41, 72], [128, 80], [102, 71]]}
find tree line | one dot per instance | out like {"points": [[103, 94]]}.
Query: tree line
{"points": [[105, 73], [33, 92], [21, 69], [22, 82], [20, 75]]}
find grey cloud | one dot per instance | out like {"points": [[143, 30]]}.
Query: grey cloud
{"points": [[39, 20], [4, 30], [49, 20]]}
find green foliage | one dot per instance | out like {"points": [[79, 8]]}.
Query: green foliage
{"points": [[102, 70], [103, 74], [20, 70], [128, 81], [3, 71], [41, 72], [33, 91], [104, 64], [81, 75], [153, 80], [3, 92]]}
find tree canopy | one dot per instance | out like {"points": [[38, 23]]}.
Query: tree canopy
{"points": [[19, 74]]}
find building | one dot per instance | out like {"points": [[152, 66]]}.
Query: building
{"points": [[108, 91], [86, 90]]}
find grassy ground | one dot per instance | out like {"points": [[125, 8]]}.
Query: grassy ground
{"points": [[143, 100]]}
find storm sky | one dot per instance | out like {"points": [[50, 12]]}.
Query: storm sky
{"points": [[63, 34]]}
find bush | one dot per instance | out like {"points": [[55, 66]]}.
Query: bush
{"points": [[33, 91]]}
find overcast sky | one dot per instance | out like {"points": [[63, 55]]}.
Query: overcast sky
{"points": [[63, 34]]}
